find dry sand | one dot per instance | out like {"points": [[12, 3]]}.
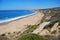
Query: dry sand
{"points": [[20, 24]]}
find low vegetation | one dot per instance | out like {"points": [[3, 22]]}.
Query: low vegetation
{"points": [[30, 28], [53, 32], [58, 19], [8, 33], [31, 37]]}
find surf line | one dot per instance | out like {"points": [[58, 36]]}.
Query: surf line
{"points": [[12, 19]]}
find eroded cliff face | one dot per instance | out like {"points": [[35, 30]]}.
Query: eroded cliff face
{"points": [[50, 14], [50, 30], [51, 17]]}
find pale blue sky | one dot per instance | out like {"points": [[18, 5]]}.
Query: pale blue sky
{"points": [[28, 4]]}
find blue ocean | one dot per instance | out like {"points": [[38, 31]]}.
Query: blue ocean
{"points": [[8, 14]]}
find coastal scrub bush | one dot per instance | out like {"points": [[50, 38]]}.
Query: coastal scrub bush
{"points": [[30, 28], [8, 32], [58, 19], [31, 37], [53, 32]]}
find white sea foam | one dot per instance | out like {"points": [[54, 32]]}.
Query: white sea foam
{"points": [[8, 20]]}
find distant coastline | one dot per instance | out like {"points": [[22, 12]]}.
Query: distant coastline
{"points": [[12, 19]]}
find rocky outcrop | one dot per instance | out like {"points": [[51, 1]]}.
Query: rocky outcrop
{"points": [[45, 32], [55, 27], [40, 28]]}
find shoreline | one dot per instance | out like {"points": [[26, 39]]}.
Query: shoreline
{"points": [[20, 24], [12, 19]]}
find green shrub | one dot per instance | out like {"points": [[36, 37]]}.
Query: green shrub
{"points": [[31, 26], [58, 19], [31, 37], [8, 32], [53, 32]]}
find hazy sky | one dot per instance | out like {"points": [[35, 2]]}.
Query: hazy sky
{"points": [[28, 4]]}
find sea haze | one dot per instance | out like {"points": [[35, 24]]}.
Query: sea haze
{"points": [[8, 14]]}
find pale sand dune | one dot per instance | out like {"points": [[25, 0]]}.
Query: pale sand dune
{"points": [[20, 24]]}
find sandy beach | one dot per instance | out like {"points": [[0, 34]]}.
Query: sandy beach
{"points": [[20, 24]]}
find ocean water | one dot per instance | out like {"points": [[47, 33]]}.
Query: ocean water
{"points": [[8, 14]]}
